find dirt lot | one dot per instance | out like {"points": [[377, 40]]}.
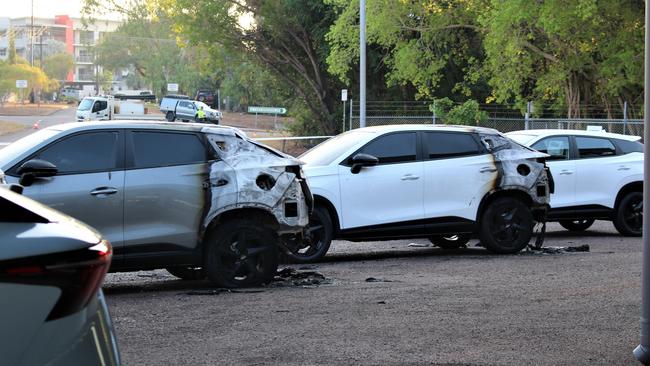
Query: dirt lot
{"points": [[7, 127], [398, 303]]}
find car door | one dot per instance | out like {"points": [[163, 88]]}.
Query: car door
{"points": [[458, 172], [563, 168], [185, 110], [164, 194], [390, 192], [597, 170], [89, 185]]}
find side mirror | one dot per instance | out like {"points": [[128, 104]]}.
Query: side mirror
{"points": [[362, 160], [35, 168]]}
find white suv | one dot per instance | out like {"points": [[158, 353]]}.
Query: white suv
{"points": [[598, 175], [445, 183]]}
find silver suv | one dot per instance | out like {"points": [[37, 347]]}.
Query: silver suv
{"points": [[193, 199]]}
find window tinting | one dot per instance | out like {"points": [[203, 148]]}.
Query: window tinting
{"points": [[557, 147], [629, 146], [393, 148], [154, 149], [593, 147], [446, 145], [84, 153]]}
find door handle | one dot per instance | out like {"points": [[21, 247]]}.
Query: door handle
{"points": [[488, 169], [623, 167], [566, 172], [103, 191], [410, 177]]}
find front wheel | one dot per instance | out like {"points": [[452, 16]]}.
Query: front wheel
{"points": [[506, 226], [450, 242], [629, 215], [170, 116], [317, 239], [241, 253], [577, 225]]}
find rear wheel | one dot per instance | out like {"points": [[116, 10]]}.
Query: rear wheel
{"points": [[506, 226], [577, 225], [629, 215], [170, 116], [241, 253], [317, 240], [449, 242], [187, 273]]}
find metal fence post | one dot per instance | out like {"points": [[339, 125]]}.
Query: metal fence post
{"points": [[434, 111], [527, 117], [351, 103], [624, 117]]}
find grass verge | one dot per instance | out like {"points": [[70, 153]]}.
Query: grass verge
{"points": [[10, 127]]}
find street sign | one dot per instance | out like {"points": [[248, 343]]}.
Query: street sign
{"points": [[172, 87], [344, 95], [21, 84], [267, 110]]}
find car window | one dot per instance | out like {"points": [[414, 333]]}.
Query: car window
{"points": [[393, 148], [629, 146], [83, 153], [152, 149], [557, 147], [441, 145], [593, 147]]}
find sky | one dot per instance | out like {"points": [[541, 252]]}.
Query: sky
{"points": [[44, 8]]}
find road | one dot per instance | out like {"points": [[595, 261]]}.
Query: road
{"points": [[395, 303], [58, 117]]}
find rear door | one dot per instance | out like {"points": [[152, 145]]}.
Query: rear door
{"points": [[597, 170], [563, 168], [457, 171], [164, 194], [89, 185], [185, 109]]}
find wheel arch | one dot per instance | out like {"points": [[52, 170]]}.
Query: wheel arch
{"points": [[630, 187], [248, 213], [331, 210], [491, 196]]}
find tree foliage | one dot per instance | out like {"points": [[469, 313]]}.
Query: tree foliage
{"points": [[58, 65], [36, 79]]}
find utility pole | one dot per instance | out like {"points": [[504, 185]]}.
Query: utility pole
{"points": [[362, 63], [31, 37], [642, 351]]}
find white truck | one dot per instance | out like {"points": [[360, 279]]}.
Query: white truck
{"points": [[103, 108]]}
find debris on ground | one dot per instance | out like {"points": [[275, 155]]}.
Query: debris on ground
{"points": [[217, 291], [557, 250], [419, 245], [382, 302], [291, 277], [372, 279]]}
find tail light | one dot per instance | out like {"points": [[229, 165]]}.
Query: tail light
{"points": [[78, 273]]}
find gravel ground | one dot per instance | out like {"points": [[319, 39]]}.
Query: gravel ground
{"points": [[398, 303]]}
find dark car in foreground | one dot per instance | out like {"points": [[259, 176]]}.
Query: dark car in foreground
{"points": [[51, 271]]}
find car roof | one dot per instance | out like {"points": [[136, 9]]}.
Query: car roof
{"points": [[431, 127], [152, 125], [553, 132]]}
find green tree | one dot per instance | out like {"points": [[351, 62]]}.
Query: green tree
{"points": [[58, 65], [36, 79], [12, 48]]}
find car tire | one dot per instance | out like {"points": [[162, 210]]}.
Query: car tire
{"points": [[170, 116], [187, 273], [450, 241], [241, 253], [577, 225], [506, 226], [628, 219], [318, 238]]}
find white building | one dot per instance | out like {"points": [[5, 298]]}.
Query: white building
{"points": [[59, 34]]}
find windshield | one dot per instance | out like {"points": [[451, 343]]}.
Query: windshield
{"points": [[328, 151], [521, 138], [85, 104], [13, 150]]}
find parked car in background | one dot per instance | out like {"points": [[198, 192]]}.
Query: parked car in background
{"points": [[206, 96], [598, 176], [195, 199], [51, 271], [445, 183], [186, 110]]}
